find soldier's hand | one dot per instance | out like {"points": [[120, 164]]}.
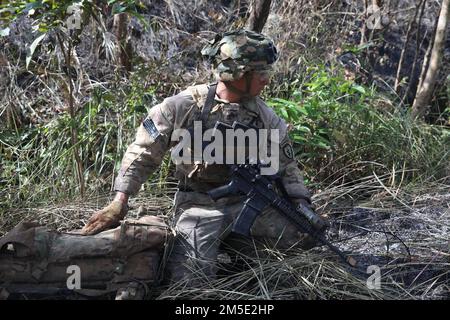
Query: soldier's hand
{"points": [[325, 224], [108, 217]]}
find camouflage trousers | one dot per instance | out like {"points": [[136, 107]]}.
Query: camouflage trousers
{"points": [[201, 225]]}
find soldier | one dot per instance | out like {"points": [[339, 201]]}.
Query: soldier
{"points": [[242, 62]]}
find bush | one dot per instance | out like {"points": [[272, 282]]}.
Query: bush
{"points": [[38, 162], [342, 130]]}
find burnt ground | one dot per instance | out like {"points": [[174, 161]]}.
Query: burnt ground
{"points": [[410, 245]]}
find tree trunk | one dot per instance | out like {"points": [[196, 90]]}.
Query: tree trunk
{"points": [[69, 56], [124, 52], [425, 92], [259, 12], [405, 47]]}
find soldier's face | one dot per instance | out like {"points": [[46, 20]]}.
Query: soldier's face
{"points": [[259, 79]]}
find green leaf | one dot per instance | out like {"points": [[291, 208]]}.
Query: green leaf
{"points": [[117, 8], [298, 137], [284, 113], [359, 88], [303, 129], [7, 9], [33, 48], [302, 111], [322, 145]]}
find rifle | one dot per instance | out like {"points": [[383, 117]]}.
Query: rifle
{"points": [[246, 179]]}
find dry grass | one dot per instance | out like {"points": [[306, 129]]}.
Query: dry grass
{"points": [[73, 214], [402, 230]]}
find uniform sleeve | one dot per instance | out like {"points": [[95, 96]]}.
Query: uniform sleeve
{"points": [[289, 171], [146, 153]]}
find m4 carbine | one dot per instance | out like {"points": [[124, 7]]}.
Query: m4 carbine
{"points": [[260, 191]]}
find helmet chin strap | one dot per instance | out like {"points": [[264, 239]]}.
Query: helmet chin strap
{"points": [[243, 94]]}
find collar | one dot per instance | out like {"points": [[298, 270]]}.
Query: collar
{"points": [[249, 103]]}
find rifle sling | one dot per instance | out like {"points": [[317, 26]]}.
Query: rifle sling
{"points": [[208, 103]]}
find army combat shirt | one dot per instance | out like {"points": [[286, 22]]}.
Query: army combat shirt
{"points": [[153, 140]]}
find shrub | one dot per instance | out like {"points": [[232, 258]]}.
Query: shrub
{"points": [[342, 130]]}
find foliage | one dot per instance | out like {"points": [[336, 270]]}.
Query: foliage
{"points": [[68, 16], [65, 19], [38, 163], [337, 124]]}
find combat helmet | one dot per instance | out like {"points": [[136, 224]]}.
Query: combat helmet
{"points": [[234, 53]]}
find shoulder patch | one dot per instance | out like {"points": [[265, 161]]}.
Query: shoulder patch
{"points": [[150, 127], [288, 151]]}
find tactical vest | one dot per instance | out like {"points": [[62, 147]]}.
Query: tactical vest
{"points": [[200, 177]]}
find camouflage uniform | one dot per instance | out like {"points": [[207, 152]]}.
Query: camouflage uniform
{"points": [[201, 223]]}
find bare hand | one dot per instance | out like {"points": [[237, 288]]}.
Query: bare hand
{"points": [[107, 218]]}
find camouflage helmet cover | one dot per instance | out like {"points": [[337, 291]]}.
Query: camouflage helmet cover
{"points": [[236, 52]]}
